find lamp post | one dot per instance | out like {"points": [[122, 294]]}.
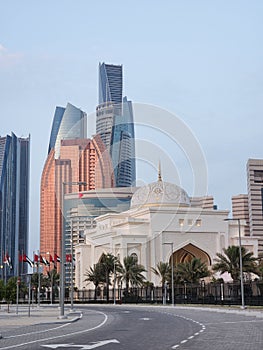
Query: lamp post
{"points": [[63, 253], [172, 264], [71, 270], [240, 262]]}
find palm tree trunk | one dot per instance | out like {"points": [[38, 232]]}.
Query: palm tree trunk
{"points": [[107, 286], [95, 292]]}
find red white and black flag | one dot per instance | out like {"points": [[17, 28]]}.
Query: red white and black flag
{"points": [[7, 261], [56, 258], [25, 258], [44, 261]]}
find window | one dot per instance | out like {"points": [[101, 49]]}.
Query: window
{"points": [[181, 222], [258, 176], [135, 257], [190, 222], [198, 223]]}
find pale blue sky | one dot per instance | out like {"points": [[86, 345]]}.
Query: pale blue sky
{"points": [[201, 60]]}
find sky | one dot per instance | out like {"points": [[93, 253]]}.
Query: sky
{"points": [[193, 69]]}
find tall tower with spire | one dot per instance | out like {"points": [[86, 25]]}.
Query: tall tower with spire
{"points": [[115, 125]]}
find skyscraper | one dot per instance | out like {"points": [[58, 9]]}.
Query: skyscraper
{"points": [[110, 83], [71, 158], [115, 124], [68, 123], [255, 199], [14, 202]]}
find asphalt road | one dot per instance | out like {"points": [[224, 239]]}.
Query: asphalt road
{"points": [[130, 328]]}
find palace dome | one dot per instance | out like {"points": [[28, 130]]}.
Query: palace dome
{"points": [[159, 193]]}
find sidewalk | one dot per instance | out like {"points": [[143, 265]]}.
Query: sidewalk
{"points": [[42, 314]]}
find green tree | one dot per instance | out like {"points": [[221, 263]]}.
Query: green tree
{"points": [[163, 270], [11, 289], [2, 290], [96, 275], [51, 280], [191, 271], [132, 273], [230, 262], [109, 263]]}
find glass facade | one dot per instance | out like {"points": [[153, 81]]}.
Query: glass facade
{"points": [[14, 203], [110, 83], [81, 214], [68, 123], [115, 124], [55, 127]]}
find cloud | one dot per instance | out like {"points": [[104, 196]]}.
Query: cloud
{"points": [[7, 58]]}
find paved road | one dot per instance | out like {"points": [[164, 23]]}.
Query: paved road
{"points": [[155, 328]]}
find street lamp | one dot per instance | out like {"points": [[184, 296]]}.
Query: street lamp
{"points": [[71, 270], [172, 263], [63, 253], [240, 262]]}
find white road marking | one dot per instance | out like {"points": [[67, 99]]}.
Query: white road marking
{"points": [[83, 347], [60, 336], [37, 332], [144, 319], [192, 336]]}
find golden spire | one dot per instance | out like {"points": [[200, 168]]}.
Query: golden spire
{"points": [[159, 172]]}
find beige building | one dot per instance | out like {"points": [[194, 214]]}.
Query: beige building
{"points": [[162, 223], [255, 198], [240, 210], [249, 207]]}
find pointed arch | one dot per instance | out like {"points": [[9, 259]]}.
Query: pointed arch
{"points": [[190, 251]]}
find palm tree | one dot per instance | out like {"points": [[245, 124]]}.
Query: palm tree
{"points": [[53, 281], [109, 263], [230, 262], [163, 270], [132, 272], [96, 275], [192, 271]]}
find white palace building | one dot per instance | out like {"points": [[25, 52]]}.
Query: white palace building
{"points": [[163, 222]]}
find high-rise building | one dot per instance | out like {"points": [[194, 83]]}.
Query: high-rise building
{"points": [[81, 160], [110, 83], [115, 124], [68, 123], [14, 203], [255, 198], [240, 210]]}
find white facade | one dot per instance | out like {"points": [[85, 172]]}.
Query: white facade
{"points": [[161, 221]]}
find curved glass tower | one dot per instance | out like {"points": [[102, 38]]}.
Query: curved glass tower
{"points": [[68, 123]]}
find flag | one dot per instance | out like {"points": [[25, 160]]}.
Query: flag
{"points": [[68, 258], [51, 259], [44, 261], [30, 262], [25, 258], [57, 258], [35, 258], [7, 261], [81, 195]]}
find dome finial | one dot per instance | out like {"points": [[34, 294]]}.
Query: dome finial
{"points": [[159, 172]]}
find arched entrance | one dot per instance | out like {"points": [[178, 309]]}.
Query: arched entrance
{"points": [[188, 252]]}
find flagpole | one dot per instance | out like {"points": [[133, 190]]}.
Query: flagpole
{"points": [[17, 282], [38, 272]]}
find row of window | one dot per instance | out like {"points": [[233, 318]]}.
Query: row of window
{"points": [[190, 222]]}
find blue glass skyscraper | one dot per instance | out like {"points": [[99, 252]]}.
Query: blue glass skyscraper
{"points": [[110, 83], [14, 203], [115, 124], [68, 123]]}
